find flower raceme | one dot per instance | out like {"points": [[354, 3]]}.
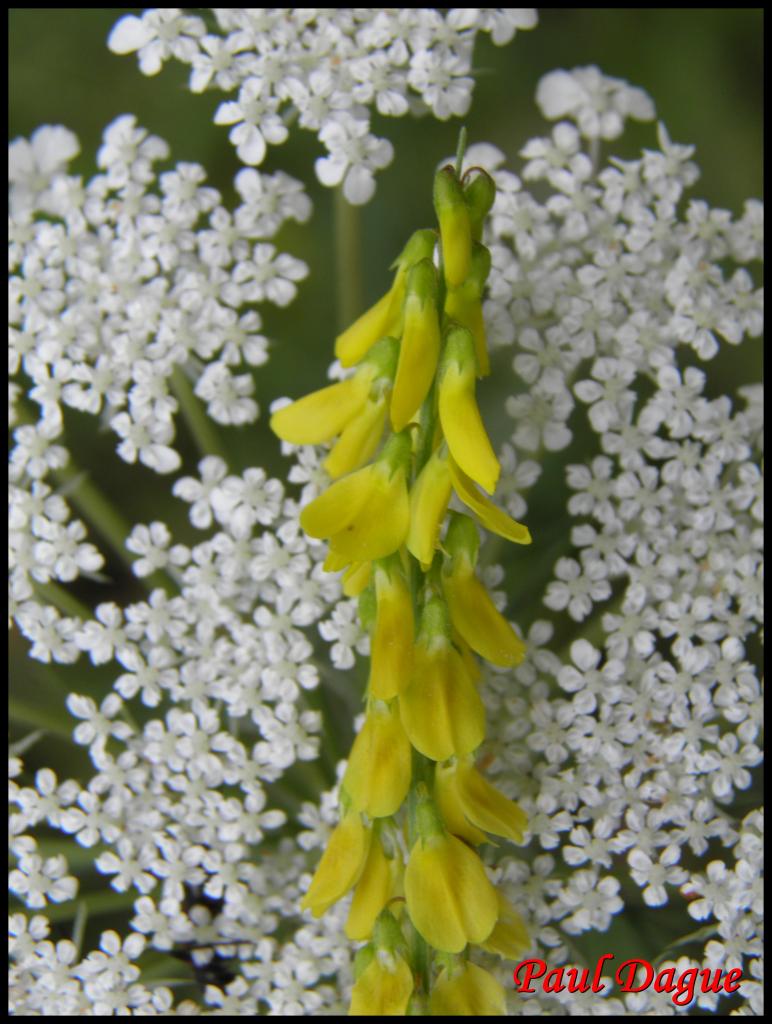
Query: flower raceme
{"points": [[406, 434]]}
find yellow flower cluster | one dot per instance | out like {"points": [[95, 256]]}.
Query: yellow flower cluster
{"points": [[414, 806]]}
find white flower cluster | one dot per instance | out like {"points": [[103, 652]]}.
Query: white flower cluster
{"points": [[325, 69], [629, 751]]}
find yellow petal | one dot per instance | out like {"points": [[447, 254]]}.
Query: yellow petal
{"points": [[469, 992], [477, 619], [383, 988], [418, 352], [359, 439], [509, 939], [429, 499], [391, 658], [463, 428], [491, 517], [340, 504], [380, 523], [379, 320], [449, 802], [449, 896], [374, 889], [341, 865], [355, 578], [441, 710], [322, 414], [378, 774]]}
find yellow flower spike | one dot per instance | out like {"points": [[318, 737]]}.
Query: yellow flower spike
{"points": [[384, 987], [449, 897], [359, 439], [455, 226], [460, 418], [375, 888], [429, 499], [391, 655], [464, 304], [378, 774], [468, 992], [441, 710], [509, 939], [341, 865], [385, 316], [365, 514], [420, 345], [491, 517], [464, 792], [322, 414]]}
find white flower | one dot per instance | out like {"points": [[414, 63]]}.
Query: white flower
{"points": [[599, 104], [354, 155]]}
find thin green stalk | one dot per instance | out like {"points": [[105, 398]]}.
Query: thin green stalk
{"points": [[81, 491], [348, 262], [207, 438], [59, 597]]}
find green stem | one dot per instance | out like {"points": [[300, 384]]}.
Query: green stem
{"points": [[460, 150], [207, 438], [103, 517], [59, 597], [348, 263]]}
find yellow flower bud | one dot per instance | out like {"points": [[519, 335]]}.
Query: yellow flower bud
{"points": [[378, 774], [460, 418], [455, 226], [471, 806], [375, 888], [429, 499], [441, 710], [464, 304], [383, 988], [449, 896], [468, 992], [341, 865], [420, 345], [391, 657]]}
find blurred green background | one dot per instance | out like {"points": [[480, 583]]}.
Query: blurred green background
{"points": [[702, 68]]}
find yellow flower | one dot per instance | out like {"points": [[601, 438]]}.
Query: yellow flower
{"points": [[441, 710], [378, 884], [378, 774], [322, 415], [391, 656], [460, 418], [341, 865], [419, 347], [449, 896], [383, 988], [471, 806], [455, 226], [429, 498], [468, 992], [509, 939], [365, 514], [472, 611]]}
